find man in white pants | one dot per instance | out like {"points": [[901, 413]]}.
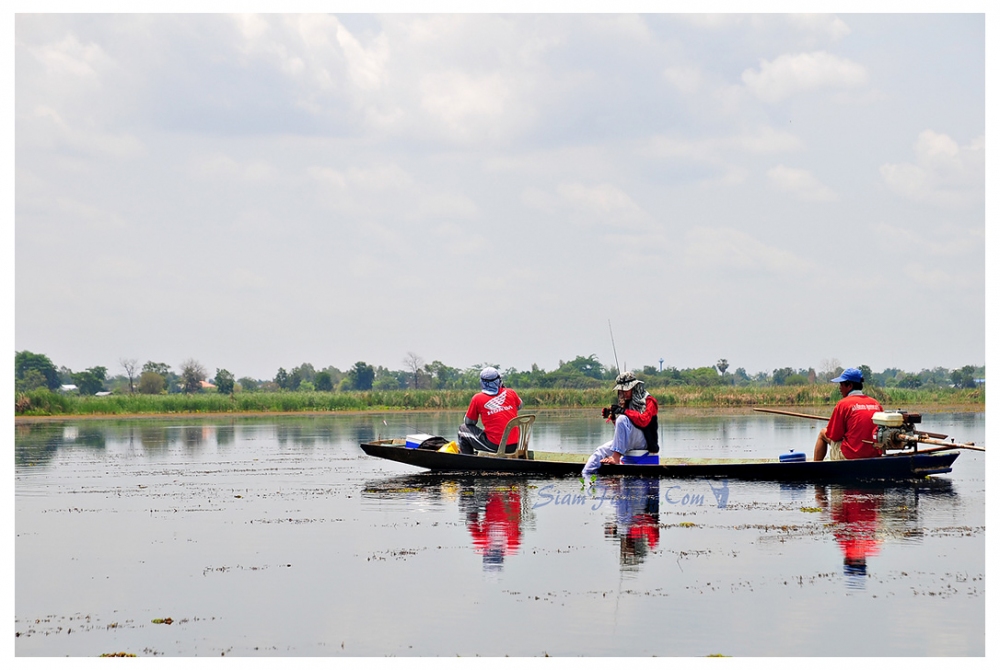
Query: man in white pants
{"points": [[635, 419]]}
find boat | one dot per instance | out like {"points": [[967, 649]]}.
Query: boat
{"points": [[892, 467]]}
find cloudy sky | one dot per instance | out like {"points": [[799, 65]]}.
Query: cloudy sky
{"points": [[262, 191]]}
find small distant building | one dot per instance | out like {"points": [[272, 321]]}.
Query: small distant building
{"points": [[205, 385], [68, 388], [979, 382], [101, 394]]}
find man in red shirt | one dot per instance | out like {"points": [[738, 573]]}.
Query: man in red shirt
{"points": [[850, 430], [496, 405]]}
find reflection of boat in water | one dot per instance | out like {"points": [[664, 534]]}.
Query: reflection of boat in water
{"points": [[900, 466]]}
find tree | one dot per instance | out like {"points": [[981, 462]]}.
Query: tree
{"points": [[306, 373], [413, 363], [129, 365], [779, 375], [722, 365], [361, 376], [192, 374], [91, 380], [324, 382], [281, 378], [151, 383], [385, 380], [161, 369], [248, 383], [32, 379], [25, 361], [441, 375], [224, 381], [964, 377], [588, 366]]}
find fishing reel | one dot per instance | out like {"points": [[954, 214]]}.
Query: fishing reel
{"points": [[611, 413], [895, 429]]}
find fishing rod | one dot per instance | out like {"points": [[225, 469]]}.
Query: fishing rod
{"points": [[613, 349]]}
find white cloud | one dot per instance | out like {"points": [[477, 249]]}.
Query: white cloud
{"points": [[790, 74], [467, 106], [944, 243], [221, 165], [90, 217], [799, 183], [731, 249], [49, 128], [597, 204], [717, 21], [367, 67], [824, 25], [943, 173], [685, 79], [602, 198], [71, 59], [388, 188], [763, 141]]}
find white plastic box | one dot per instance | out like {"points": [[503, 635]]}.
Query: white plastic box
{"points": [[414, 441]]}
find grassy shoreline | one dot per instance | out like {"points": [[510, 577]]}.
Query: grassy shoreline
{"points": [[43, 404]]}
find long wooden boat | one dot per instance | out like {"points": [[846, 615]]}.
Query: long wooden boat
{"points": [[902, 466]]}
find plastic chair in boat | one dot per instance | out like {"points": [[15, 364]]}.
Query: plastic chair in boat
{"points": [[522, 422]]}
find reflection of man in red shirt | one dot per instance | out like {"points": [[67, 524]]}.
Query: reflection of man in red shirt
{"points": [[855, 515], [850, 426], [497, 532]]}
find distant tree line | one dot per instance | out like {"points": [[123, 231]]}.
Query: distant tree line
{"points": [[32, 371]]}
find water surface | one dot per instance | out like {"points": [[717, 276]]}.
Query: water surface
{"points": [[279, 537]]}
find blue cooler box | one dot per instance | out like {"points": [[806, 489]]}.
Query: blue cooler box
{"points": [[792, 457], [645, 459]]}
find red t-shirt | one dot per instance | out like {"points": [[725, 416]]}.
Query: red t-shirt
{"points": [[852, 423], [496, 411]]}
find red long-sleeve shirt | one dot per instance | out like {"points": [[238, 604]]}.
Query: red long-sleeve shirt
{"points": [[642, 419]]}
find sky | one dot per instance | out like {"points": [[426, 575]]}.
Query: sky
{"points": [[259, 191]]}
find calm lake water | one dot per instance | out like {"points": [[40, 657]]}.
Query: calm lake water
{"points": [[279, 537]]}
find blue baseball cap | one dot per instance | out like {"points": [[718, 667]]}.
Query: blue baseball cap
{"points": [[850, 375]]}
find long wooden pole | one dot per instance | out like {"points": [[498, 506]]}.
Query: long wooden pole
{"points": [[946, 445], [939, 436], [786, 413], [954, 446]]}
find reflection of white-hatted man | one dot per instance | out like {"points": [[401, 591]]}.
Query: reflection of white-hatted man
{"points": [[496, 405], [850, 431]]}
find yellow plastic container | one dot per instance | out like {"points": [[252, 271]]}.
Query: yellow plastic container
{"points": [[450, 448]]}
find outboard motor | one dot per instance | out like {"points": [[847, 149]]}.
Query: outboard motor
{"points": [[895, 429]]}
